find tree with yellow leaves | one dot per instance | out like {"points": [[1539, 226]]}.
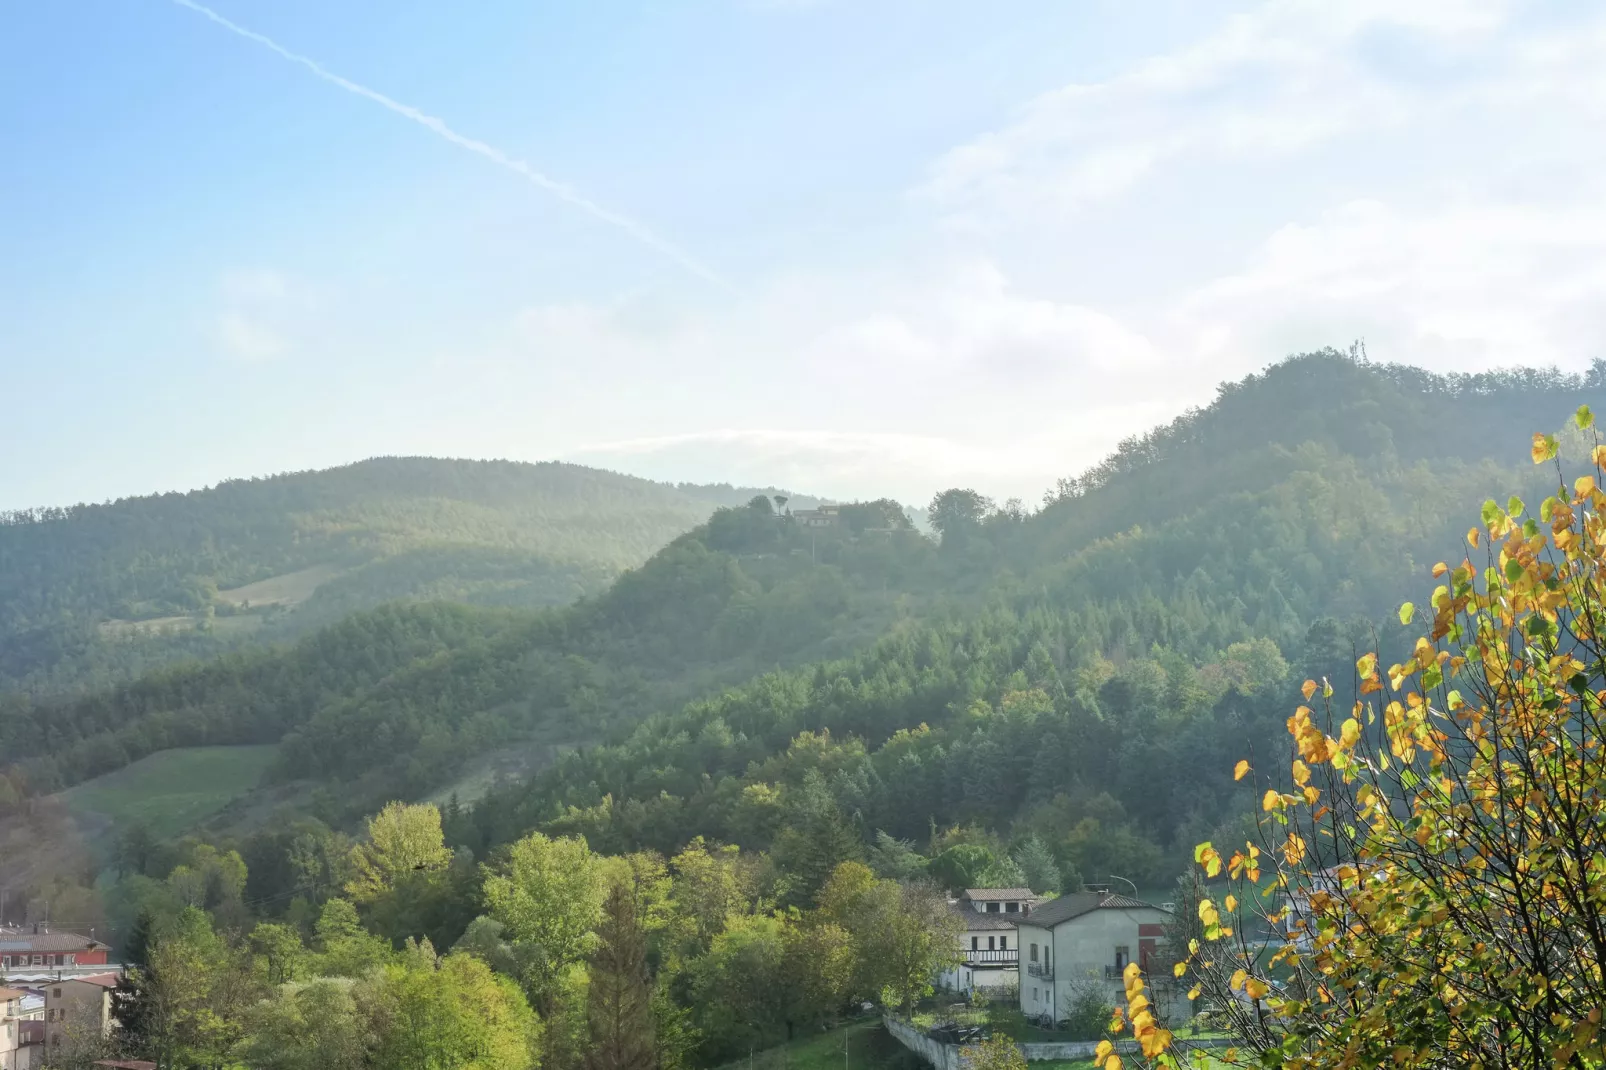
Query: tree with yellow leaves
{"points": [[1433, 868]]}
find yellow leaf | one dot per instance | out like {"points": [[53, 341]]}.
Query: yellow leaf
{"points": [[1256, 988], [1308, 688], [1584, 485], [1598, 455], [1366, 665], [1270, 801], [1207, 912], [1472, 537], [1231, 903], [1103, 1050], [1350, 733], [1440, 569], [1239, 770], [1179, 969], [1544, 448], [1238, 979], [1301, 772]]}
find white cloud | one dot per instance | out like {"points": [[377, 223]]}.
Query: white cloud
{"points": [[262, 314], [1277, 80], [1472, 283], [247, 340]]}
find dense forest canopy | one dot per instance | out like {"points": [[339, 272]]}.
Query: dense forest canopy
{"points": [[91, 593]]}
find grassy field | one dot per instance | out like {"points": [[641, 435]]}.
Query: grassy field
{"points": [[861, 1045], [290, 589], [170, 791]]}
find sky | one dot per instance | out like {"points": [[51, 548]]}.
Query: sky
{"points": [[851, 247]]}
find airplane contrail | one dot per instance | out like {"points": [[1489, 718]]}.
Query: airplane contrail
{"points": [[480, 148]]}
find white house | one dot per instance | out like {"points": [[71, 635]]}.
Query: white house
{"points": [[1085, 938], [22, 1038], [989, 942]]}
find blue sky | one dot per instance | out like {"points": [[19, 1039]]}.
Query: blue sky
{"points": [[954, 243]]}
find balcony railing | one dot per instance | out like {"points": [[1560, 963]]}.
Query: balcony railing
{"points": [[1040, 970], [994, 958]]}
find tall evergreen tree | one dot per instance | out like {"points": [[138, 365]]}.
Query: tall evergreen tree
{"points": [[620, 1007]]}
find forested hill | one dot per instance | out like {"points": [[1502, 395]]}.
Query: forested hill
{"points": [[1084, 674], [91, 593], [1145, 630]]}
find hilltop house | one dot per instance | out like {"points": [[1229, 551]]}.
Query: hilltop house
{"points": [[1086, 938], [991, 963], [827, 515]]}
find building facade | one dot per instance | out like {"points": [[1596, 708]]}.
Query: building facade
{"points": [[78, 1012], [989, 942], [1080, 944], [39, 950]]}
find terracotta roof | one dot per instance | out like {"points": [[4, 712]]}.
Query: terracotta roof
{"points": [[11, 993], [987, 894], [16, 940], [102, 980], [1067, 907]]}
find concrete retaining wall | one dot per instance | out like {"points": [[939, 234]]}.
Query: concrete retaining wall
{"points": [[940, 1056], [951, 1056]]}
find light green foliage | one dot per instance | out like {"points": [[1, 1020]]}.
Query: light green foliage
{"points": [[279, 952], [548, 896], [450, 1013], [711, 885], [315, 1026], [344, 948], [402, 840]]}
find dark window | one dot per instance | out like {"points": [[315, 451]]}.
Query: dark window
{"points": [[992, 908], [1123, 955], [1003, 943], [990, 944], [1034, 952], [1012, 908], [975, 942]]}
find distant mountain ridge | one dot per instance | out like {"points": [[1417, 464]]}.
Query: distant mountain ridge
{"points": [[96, 592]]}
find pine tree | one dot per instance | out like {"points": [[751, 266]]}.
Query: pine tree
{"points": [[619, 1010], [137, 947]]}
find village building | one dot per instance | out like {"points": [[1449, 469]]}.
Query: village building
{"points": [[22, 1032], [1084, 940], [78, 1011], [37, 953], [989, 943]]}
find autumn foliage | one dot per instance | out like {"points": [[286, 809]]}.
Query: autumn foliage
{"points": [[1432, 867]]}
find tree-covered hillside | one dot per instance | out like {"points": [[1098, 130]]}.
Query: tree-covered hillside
{"points": [[93, 593], [1081, 672]]}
